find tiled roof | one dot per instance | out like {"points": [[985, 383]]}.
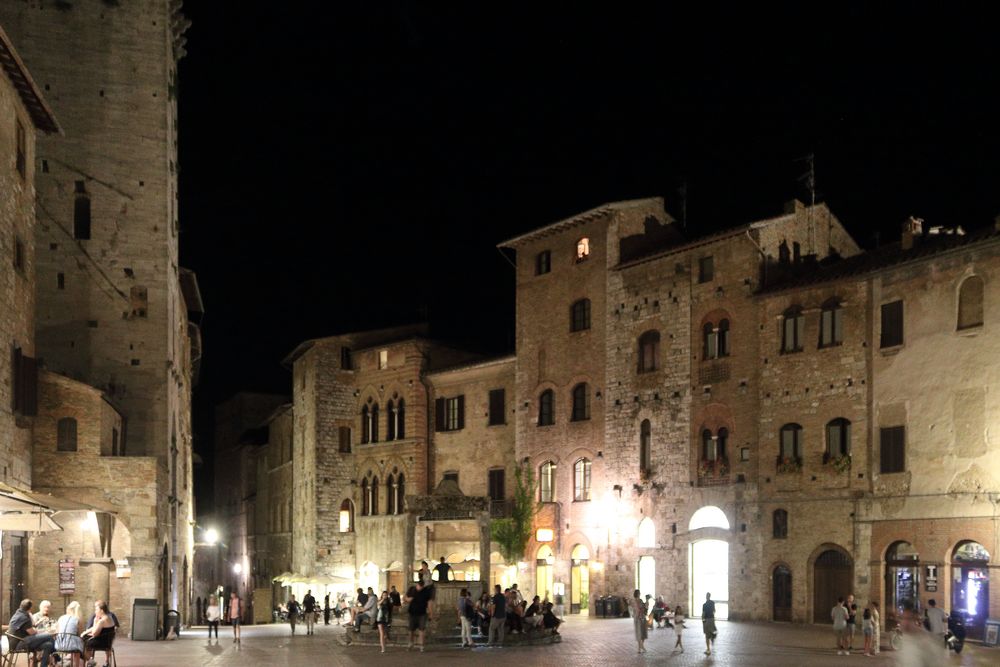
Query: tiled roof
{"points": [[31, 97], [577, 220]]}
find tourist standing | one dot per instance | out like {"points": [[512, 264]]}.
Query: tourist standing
{"points": [[852, 622], [382, 616], [866, 630], [466, 614], [639, 619], [708, 622], [326, 609], [679, 627], [424, 573], [212, 616], [235, 615], [420, 610], [498, 617], [309, 607], [839, 615], [876, 629], [293, 612], [443, 570]]}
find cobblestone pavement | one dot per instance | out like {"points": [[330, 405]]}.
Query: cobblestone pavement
{"points": [[586, 642]]}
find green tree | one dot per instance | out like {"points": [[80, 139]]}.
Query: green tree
{"points": [[512, 534]]}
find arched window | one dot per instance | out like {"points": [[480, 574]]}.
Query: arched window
{"points": [[970, 303], [646, 537], [649, 351], [373, 490], [779, 524], [390, 495], [709, 516], [581, 403], [793, 330], [791, 443], [390, 420], [723, 338], [838, 439], [547, 408], [582, 249], [710, 341], [400, 493], [581, 480], [347, 516], [366, 498], [66, 435], [366, 426], [707, 445], [831, 324], [400, 420], [645, 447], [547, 482], [374, 423], [579, 315], [721, 439]]}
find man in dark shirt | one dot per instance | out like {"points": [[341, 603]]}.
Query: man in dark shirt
{"points": [[533, 614], [395, 603], [90, 621], [420, 610], [443, 570], [498, 617], [309, 609], [21, 626]]}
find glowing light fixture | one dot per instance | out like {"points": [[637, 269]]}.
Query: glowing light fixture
{"points": [[211, 536], [544, 535], [237, 568]]}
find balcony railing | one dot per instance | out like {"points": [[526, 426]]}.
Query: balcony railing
{"points": [[500, 509], [713, 472]]}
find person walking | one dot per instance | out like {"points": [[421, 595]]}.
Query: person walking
{"points": [[639, 619], [937, 620], [382, 616], [708, 622], [679, 627], [309, 608], [421, 608], [326, 609], [293, 611], [876, 629], [498, 617], [235, 615], [466, 614], [866, 630], [212, 616], [839, 615]]}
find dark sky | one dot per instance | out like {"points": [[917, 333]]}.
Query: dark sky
{"points": [[355, 167]]}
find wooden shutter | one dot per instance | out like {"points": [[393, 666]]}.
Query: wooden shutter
{"points": [[497, 409], [892, 324], [461, 412], [439, 414], [893, 449]]}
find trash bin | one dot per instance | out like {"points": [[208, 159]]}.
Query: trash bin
{"points": [[172, 621], [599, 607], [144, 619], [613, 605]]}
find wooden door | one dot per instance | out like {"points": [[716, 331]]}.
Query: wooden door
{"points": [[781, 583], [832, 577]]}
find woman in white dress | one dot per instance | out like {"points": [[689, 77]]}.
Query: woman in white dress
{"points": [[68, 633]]}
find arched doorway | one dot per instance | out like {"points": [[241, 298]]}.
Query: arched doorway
{"points": [[708, 563], [645, 576], [544, 560], [970, 593], [833, 573], [902, 576], [781, 587], [579, 592]]}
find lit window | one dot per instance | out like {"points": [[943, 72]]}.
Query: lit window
{"points": [[582, 249], [581, 480], [547, 482], [383, 359], [346, 516]]}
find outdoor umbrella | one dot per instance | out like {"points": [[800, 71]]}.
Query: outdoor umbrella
{"points": [[35, 522]]}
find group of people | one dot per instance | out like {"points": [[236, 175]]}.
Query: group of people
{"points": [[234, 616], [43, 634], [505, 611], [647, 614], [846, 617]]}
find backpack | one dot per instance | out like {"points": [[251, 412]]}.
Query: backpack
{"points": [[468, 610]]}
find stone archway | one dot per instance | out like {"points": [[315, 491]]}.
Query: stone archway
{"points": [[833, 574]]}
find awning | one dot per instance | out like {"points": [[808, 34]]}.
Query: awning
{"points": [[34, 522], [283, 577], [51, 503]]}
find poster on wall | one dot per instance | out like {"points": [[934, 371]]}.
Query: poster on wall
{"points": [[67, 576], [122, 569]]}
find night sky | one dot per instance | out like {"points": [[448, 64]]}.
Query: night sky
{"points": [[355, 169]]}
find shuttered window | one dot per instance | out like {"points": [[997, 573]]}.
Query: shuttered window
{"points": [[892, 443], [449, 413], [892, 324], [497, 407]]}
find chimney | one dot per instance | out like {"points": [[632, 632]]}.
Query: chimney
{"points": [[913, 229], [793, 206]]}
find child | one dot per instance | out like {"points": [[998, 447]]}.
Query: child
{"points": [[868, 629], [679, 627]]}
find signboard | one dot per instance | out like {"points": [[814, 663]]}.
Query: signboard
{"points": [[122, 569], [67, 576], [931, 581]]}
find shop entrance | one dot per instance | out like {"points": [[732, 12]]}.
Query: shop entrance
{"points": [[544, 560], [902, 576], [710, 574], [579, 592], [970, 587], [781, 583]]}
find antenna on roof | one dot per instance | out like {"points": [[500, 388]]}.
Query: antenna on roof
{"points": [[809, 180], [683, 192]]}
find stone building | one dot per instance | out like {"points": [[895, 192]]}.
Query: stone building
{"points": [[767, 413], [114, 309]]}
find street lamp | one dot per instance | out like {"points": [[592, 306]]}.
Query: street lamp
{"points": [[211, 536], [237, 568]]}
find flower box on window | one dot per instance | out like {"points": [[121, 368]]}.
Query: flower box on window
{"points": [[789, 464], [841, 463], [713, 468]]}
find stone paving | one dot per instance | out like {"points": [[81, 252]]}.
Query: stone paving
{"points": [[586, 642]]}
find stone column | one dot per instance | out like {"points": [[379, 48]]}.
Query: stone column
{"points": [[409, 550], [484, 550]]}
